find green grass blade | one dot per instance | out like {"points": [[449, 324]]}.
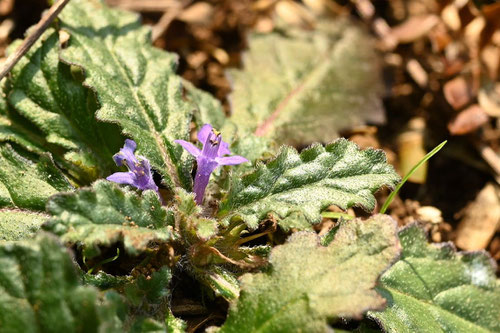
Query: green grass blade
{"points": [[418, 165], [337, 215]]}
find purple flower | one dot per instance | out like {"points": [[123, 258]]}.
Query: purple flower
{"points": [[209, 158], [139, 174]]}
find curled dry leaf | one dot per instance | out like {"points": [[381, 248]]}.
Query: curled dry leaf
{"points": [[481, 220], [199, 13], [294, 14], [489, 99], [414, 28], [457, 92], [468, 120]]}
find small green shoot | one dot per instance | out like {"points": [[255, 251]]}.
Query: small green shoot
{"points": [[105, 261], [337, 215], [415, 168]]}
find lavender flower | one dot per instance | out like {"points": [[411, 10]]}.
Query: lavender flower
{"points": [[209, 158], [139, 174]]}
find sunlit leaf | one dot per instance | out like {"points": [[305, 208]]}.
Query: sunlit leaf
{"points": [[433, 288], [306, 183], [106, 214], [309, 284]]}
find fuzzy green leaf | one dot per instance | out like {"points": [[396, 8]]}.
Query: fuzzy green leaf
{"points": [[309, 283], [16, 224], [30, 184], [49, 94], [40, 292], [292, 184], [135, 83], [193, 226], [304, 86], [17, 129], [433, 288], [106, 214], [208, 109]]}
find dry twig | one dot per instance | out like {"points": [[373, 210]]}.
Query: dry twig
{"points": [[145, 5], [167, 18], [38, 30]]}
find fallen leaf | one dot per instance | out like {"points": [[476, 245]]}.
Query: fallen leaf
{"points": [[481, 220], [468, 120]]}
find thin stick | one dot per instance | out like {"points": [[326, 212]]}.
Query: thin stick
{"points": [[144, 5], [167, 18], [38, 30]]}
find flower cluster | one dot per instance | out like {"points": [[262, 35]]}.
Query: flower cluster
{"points": [[209, 158], [139, 174]]}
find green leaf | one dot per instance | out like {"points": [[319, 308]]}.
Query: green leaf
{"points": [[40, 292], [152, 290], [338, 174], [106, 214], [30, 184], [175, 325], [308, 284], [193, 226], [220, 280], [304, 86], [208, 109], [103, 280], [135, 83], [16, 129], [433, 288], [48, 93], [16, 224]]}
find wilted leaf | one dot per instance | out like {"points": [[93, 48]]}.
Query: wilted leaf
{"points": [[309, 283], [433, 288], [40, 292], [338, 174], [30, 184], [135, 83], [304, 86], [16, 224], [49, 94], [107, 214]]}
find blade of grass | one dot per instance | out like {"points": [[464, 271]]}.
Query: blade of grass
{"points": [[337, 215], [418, 165]]}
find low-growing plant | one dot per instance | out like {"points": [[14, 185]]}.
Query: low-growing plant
{"points": [[97, 157]]}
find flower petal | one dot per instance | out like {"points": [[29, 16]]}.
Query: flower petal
{"points": [[189, 147], [224, 149], [204, 132], [126, 153], [231, 160], [122, 178]]}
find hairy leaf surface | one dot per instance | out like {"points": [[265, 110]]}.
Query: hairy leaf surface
{"points": [[50, 95], [40, 292], [433, 288], [30, 184], [15, 128], [309, 283], [338, 174], [106, 214], [17, 224], [303, 86], [135, 83]]}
